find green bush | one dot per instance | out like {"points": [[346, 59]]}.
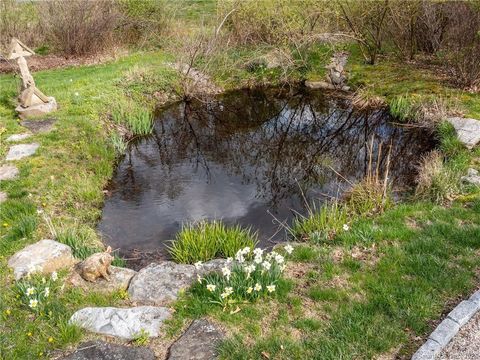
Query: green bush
{"points": [[204, 241]]}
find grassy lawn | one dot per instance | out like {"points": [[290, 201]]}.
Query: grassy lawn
{"points": [[374, 289]]}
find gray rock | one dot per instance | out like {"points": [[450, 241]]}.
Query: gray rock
{"points": [[18, 137], [472, 177], [119, 280], [37, 110], [475, 297], [125, 323], [198, 343], [45, 256], [463, 312], [427, 351], [468, 130], [161, 283], [445, 331], [213, 265], [101, 350], [20, 151], [3, 196], [324, 85], [8, 172], [39, 126]]}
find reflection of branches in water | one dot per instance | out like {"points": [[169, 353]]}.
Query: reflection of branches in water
{"points": [[273, 141]]}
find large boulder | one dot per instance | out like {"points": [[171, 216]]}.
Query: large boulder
{"points": [[160, 283], [119, 280], [101, 350], [37, 109], [198, 343], [468, 130], [45, 256], [17, 152], [125, 323]]}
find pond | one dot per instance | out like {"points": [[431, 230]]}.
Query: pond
{"points": [[251, 157]]}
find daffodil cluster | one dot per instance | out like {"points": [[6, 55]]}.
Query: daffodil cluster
{"points": [[34, 291], [251, 274]]}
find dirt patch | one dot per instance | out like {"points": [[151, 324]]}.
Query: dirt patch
{"points": [[38, 63]]}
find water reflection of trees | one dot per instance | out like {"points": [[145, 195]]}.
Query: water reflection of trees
{"points": [[278, 144]]}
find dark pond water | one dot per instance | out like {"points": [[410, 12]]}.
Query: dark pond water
{"points": [[247, 157]]}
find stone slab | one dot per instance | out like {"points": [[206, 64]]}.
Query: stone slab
{"points": [[18, 137], [17, 152], [39, 126], [125, 323], [119, 280], [199, 342], [468, 130], [427, 351], [472, 177], [463, 312], [475, 297], [8, 172], [45, 256], [101, 350], [37, 110], [445, 332]]}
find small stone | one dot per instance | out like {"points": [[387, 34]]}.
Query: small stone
{"points": [[445, 332], [39, 126], [468, 130], [213, 265], [3, 196], [18, 137], [126, 323], [45, 256], [8, 172], [119, 280], [20, 151], [427, 351], [161, 283], [101, 350], [472, 177], [37, 110], [463, 312], [199, 342]]}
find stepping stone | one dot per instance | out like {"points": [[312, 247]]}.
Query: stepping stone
{"points": [[101, 350], [3, 196], [45, 256], [18, 137], [161, 283], [472, 177], [468, 130], [119, 280], [126, 323], [39, 126], [8, 172], [20, 151], [199, 342]]}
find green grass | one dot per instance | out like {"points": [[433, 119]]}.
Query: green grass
{"points": [[204, 241]]}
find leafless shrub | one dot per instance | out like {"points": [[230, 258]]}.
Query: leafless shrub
{"points": [[80, 27], [366, 21]]}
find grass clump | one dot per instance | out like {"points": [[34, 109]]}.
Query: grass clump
{"points": [[436, 181], [138, 121], [204, 241]]}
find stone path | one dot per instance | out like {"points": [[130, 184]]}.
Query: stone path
{"points": [[20, 151], [199, 342], [18, 137], [126, 323], [39, 126], [101, 350], [8, 172]]}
